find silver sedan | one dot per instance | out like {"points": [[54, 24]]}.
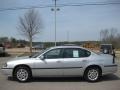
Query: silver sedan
{"points": [[61, 61]]}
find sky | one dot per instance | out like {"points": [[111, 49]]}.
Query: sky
{"points": [[80, 23]]}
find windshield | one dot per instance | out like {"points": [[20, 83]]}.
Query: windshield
{"points": [[36, 54]]}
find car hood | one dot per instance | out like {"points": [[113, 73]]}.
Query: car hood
{"points": [[19, 58]]}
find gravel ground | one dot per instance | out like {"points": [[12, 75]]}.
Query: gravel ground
{"points": [[108, 82]]}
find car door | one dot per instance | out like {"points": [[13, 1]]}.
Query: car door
{"points": [[74, 61], [51, 65]]}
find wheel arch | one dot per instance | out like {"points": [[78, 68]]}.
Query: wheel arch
{"points": [[94, 66], [21, 65]]}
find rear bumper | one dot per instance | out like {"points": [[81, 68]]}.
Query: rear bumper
{"points": [[7, 71], [108, 69]]}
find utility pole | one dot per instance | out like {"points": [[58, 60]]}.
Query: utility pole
{"points": [[68, 36], [55, 22], [55, 12]]}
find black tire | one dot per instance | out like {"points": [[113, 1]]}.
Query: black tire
{"points": [[93, 77], [25, 74]]}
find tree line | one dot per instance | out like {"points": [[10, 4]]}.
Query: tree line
{"points": [[110, 36]]}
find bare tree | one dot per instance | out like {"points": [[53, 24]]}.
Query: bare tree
{"points": [[110, 36], [30, 25], [104, 35], [113, 35]]}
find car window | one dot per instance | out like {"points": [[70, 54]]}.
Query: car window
{"points": [[52, 54], [68, 53], [75, 53], [36, 54], [84, 53]]}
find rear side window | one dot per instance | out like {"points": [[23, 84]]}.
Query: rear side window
{"points": [[84, 53], [68, 53], [75, 53]]}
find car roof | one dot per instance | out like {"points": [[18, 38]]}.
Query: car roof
{"points": [[55, 47], [68, 47]]}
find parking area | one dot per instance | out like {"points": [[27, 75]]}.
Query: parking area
{"points": [[108, 82]]}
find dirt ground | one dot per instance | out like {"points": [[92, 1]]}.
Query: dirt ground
{"points": [[19, 51]]}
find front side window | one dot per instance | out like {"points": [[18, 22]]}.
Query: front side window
{"points": [[52, 54], [36, 54]]}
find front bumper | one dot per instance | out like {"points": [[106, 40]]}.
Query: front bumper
{"points": [[7, 71]]}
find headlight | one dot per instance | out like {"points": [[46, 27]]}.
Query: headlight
{"points": [[5, 65]]}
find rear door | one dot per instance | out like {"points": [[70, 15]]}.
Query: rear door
{"points": [[74, 60]]}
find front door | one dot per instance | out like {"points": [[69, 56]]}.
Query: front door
{"points": [[51, 65]]}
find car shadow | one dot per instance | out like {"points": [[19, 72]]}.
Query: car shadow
{"points": [[110, 77], [58, 79], [52, 79]]}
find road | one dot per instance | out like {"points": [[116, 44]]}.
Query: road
{"points": [[108, 82]]}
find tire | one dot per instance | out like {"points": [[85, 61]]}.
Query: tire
{"points": [[22, 74], [92, 74]]}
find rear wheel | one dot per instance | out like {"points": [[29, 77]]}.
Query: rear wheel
{"points": [[22, 74], [92, 74]]}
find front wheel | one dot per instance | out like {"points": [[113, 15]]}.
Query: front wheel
{"points": [[22, 74], [92, 74]]}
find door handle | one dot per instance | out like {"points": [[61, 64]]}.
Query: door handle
{"points": [[84, 60], [58, 61]]}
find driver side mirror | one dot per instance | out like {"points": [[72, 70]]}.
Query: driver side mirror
{"points": [[42, 57]]}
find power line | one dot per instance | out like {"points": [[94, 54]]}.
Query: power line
{"points": [[20, 8], [90, 4], [61, 5]]}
